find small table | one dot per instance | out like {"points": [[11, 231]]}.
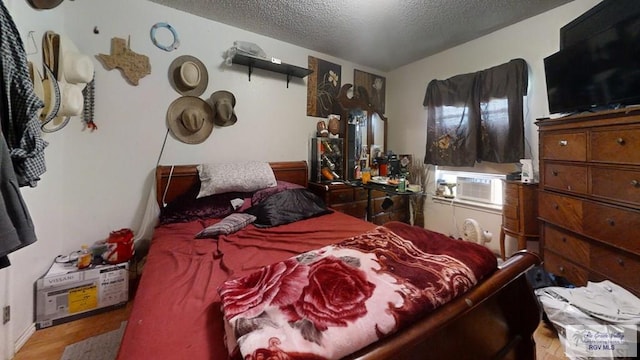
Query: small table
{"points": [[386, 188]]}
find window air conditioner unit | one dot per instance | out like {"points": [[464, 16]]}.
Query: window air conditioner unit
{"points": [[474, 189]]}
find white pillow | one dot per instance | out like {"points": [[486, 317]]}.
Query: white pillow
{"points": [[235, 177]]}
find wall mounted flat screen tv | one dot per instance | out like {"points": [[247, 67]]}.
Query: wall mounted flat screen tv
{"points": [[601, 72]]}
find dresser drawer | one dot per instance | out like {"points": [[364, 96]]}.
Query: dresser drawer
{"points": [[361, 194], [356, 209], [567, 244], [616, 184], [561, 210], [338, 196], [565, 177], [511, 224], [619, 145], [616, 226], [511, 194], [570, 146], [510, 211], [620, 267], [563, 267]]}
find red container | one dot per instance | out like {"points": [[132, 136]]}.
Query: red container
{"points": [[119, 246]]}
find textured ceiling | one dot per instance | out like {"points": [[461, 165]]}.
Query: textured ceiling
{"points": [[382, 34]]}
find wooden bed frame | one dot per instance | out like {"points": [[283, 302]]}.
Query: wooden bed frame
{"points": [[494, 320]]}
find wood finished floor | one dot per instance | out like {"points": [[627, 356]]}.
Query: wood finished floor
{"points": [[49, 343]]}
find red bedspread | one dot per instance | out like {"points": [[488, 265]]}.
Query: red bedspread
{"points": [[331, 301], [176, 312]]}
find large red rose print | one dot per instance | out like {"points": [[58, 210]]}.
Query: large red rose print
{"points": [[335, 295], [277, 284]]}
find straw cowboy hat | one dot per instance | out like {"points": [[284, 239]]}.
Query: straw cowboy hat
{"points": [[223, 103], [190, 119], [44, 4], [188, 76], [72, 70]]}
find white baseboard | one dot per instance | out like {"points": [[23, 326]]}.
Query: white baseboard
{"points": [[26, 334]]}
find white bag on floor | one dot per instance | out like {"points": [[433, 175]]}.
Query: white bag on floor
{"points": [[599, 320]]}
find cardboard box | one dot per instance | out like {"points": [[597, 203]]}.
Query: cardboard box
{"points": [[65, 293]]}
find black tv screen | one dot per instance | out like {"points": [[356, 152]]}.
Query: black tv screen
{"points": [[600, 72]]}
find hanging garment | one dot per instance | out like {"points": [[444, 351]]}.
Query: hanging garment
{"points": [[16, 226], [19, 106]]}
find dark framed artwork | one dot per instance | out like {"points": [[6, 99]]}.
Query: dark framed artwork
{"points": [[375, 87], [322, 87]]}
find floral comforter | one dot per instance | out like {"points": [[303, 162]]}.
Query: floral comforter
{"points": [[330, 302]]}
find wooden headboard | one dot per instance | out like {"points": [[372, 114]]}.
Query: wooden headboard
{"points": [[182, 177]]}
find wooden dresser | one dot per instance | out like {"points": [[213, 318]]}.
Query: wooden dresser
{"points": [[589, 201], [519, 214], [353, 201]]}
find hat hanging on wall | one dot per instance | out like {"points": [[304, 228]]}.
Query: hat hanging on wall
{"points": [[44, 4], [188, 75], [72, 70], [223, 103], [190, 119]]}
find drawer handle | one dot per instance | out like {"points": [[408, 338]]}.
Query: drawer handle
{"points": [[554, 172], [620, 261], [563, 143], [556, 206], [611, 222], [564, 239], [635, 183], [561, 268], [620, 141]]}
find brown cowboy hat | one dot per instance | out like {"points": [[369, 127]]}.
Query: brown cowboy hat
{"points": [[190, 119], [223, 102], [44, 4], [188, 75]]}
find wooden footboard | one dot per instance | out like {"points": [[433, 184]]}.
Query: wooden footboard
{"points": [[494, 320]]}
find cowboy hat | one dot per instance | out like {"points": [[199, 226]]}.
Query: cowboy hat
{"points": [[72, 71], [223, 103], [61, 101], [44, 4], [36, 80], [73, 66], [188, 75], [190, 119]]}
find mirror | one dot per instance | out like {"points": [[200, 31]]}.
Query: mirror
{"points": [[364, 129]]}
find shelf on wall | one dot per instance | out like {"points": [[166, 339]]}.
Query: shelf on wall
{"points": [[267, 64]]}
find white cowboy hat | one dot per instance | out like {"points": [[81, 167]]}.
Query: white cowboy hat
{"points": [[188, 76], [73, 66], [223, 103], [190, 119]]}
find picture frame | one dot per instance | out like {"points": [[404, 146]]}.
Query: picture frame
{"points": [[323, 86], [374, 86]]}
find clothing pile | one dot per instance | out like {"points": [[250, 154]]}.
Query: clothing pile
{"points": [[597, 320]]}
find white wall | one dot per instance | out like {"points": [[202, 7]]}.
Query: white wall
{"points": [[532, 39], [98, 182]]}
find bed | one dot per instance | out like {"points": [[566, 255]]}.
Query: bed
{"points": [[176, 312]]}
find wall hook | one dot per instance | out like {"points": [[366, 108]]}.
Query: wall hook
{"points": [[95, 30], [33, 44]]}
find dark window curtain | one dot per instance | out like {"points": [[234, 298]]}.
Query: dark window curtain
{"points": [[477, 117]]}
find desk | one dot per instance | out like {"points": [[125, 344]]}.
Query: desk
{"points": [[387, 189]]}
